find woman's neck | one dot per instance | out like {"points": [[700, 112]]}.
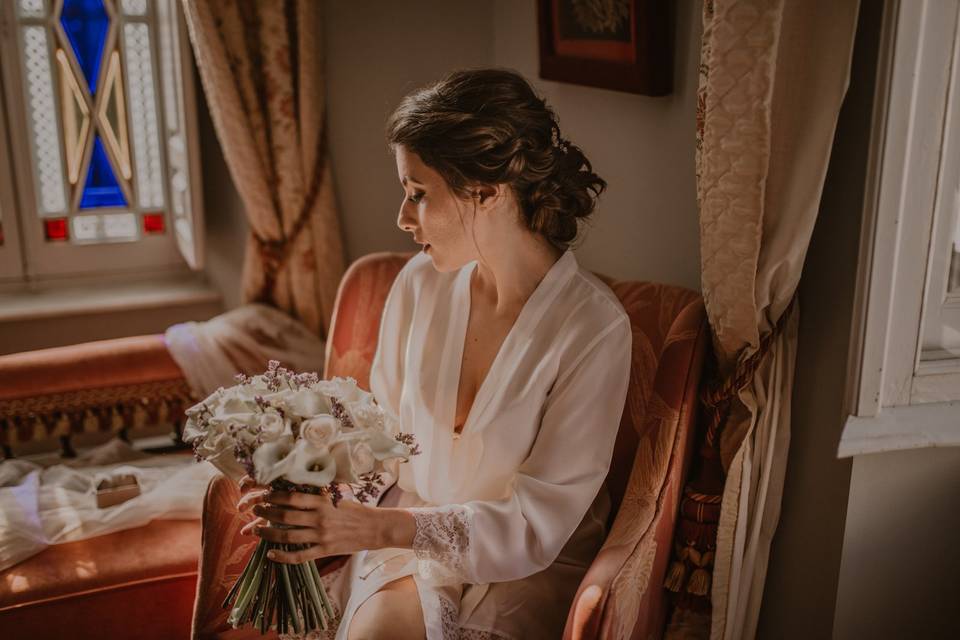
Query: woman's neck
{"points": [[507, 276]]}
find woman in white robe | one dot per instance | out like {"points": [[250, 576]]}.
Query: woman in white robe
{"points": [[509, 510]]}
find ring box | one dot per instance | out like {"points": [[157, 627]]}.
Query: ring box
{"points": [[117, 489]]}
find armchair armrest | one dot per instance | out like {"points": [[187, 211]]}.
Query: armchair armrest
{"points": [[107, 386]]}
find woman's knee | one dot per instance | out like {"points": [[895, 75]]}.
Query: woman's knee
{"points": [[393, 612]]}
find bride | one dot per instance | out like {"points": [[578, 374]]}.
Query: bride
{"points": [[508, 362]]}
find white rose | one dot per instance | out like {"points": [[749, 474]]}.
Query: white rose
{"points": [[273, 460], [363, 460], [320, 431], [354, 458], [215, 440], [273, 425], [312, 465]]}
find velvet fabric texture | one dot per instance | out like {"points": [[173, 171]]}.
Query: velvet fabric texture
{"points": [[622, 594], [134, 583]]}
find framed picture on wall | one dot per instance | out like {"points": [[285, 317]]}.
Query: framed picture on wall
{"points": [[625, 45]]}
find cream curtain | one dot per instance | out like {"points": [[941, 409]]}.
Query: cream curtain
{"points": [[773, 76], [260, 64]]}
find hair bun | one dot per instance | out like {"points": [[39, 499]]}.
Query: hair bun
{"points": [[488, 126]]}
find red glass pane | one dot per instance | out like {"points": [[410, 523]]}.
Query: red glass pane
{"points": [[56, 228], [153, 223], [1, 234]]}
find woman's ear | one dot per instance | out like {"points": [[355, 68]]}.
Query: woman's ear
{"points": [[485, 194]]}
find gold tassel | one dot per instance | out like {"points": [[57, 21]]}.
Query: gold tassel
{"points": [[699, 584], [62, 425], [116, 420], [676, 576], [39, 431], [90, 422], [139, 416]]}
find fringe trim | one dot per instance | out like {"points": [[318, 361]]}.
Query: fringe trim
{"points": [[105, 409]]}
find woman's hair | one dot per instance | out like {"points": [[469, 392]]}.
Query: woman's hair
{"points": [[487, 126]]}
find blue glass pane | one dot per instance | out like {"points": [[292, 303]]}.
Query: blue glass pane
{"points": [[85, 23], [102, 189]]}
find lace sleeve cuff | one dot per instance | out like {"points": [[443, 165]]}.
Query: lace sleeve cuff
{"points": [[442, 542]]}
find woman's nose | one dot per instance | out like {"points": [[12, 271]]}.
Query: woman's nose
{"points": [[404, 221]]}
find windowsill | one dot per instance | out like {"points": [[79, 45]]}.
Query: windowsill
{"points": [[85, 299], [936, 424]]}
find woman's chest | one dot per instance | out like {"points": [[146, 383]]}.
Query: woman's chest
{"points": [[484, 337]]}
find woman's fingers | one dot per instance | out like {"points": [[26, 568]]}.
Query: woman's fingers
{"points": [[283, 515], [297, 499], [248, 529], [296, 557], [251, 498], [289, 536]]}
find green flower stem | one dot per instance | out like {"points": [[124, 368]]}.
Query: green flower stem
{"points": [[271, 596], [246, 591], [314, 595], [241, 580], [327, 608], [294, 617], [258, 605]]}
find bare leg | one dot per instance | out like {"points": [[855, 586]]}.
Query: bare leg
{"points": [[393, 612]]}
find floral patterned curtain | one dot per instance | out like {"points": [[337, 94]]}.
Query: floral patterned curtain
{"points": [[260, 63], [773, 75]]}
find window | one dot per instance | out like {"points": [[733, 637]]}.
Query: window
{"points": [[905, 373], [100, 121]]}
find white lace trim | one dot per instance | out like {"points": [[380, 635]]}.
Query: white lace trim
{"points": [[441, 542], [451, 629]]}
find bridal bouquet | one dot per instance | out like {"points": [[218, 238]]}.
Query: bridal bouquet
{"points": [[294, 432]]}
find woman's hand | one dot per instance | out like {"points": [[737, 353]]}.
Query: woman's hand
{"points": [[313, 520]]}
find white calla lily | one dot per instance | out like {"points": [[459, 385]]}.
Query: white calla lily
{"points": [[312, 465], [273, 460], [384, 447]]}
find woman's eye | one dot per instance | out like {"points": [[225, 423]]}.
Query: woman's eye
{"points": [[415, 198]]}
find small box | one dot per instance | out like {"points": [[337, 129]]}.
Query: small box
{"points": [[116, 490]]}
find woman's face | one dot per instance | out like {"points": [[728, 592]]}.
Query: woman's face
{"points": [[433, 214]]}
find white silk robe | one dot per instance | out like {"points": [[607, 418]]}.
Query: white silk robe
{"points": [[510, 512]]}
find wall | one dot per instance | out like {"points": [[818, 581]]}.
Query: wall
{"points": [[373, 58], [898, 578], [646, 225]]}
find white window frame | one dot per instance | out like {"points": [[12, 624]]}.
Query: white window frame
{"points": [[905, 392], [175, 252]]}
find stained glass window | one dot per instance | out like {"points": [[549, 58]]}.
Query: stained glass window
{"points": [[105, 121]]}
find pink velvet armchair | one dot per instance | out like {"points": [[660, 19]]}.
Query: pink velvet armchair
{"points": [[621, 595]]}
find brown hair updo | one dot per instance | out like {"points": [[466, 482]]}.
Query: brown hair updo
{"points": [[487, 126]]}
